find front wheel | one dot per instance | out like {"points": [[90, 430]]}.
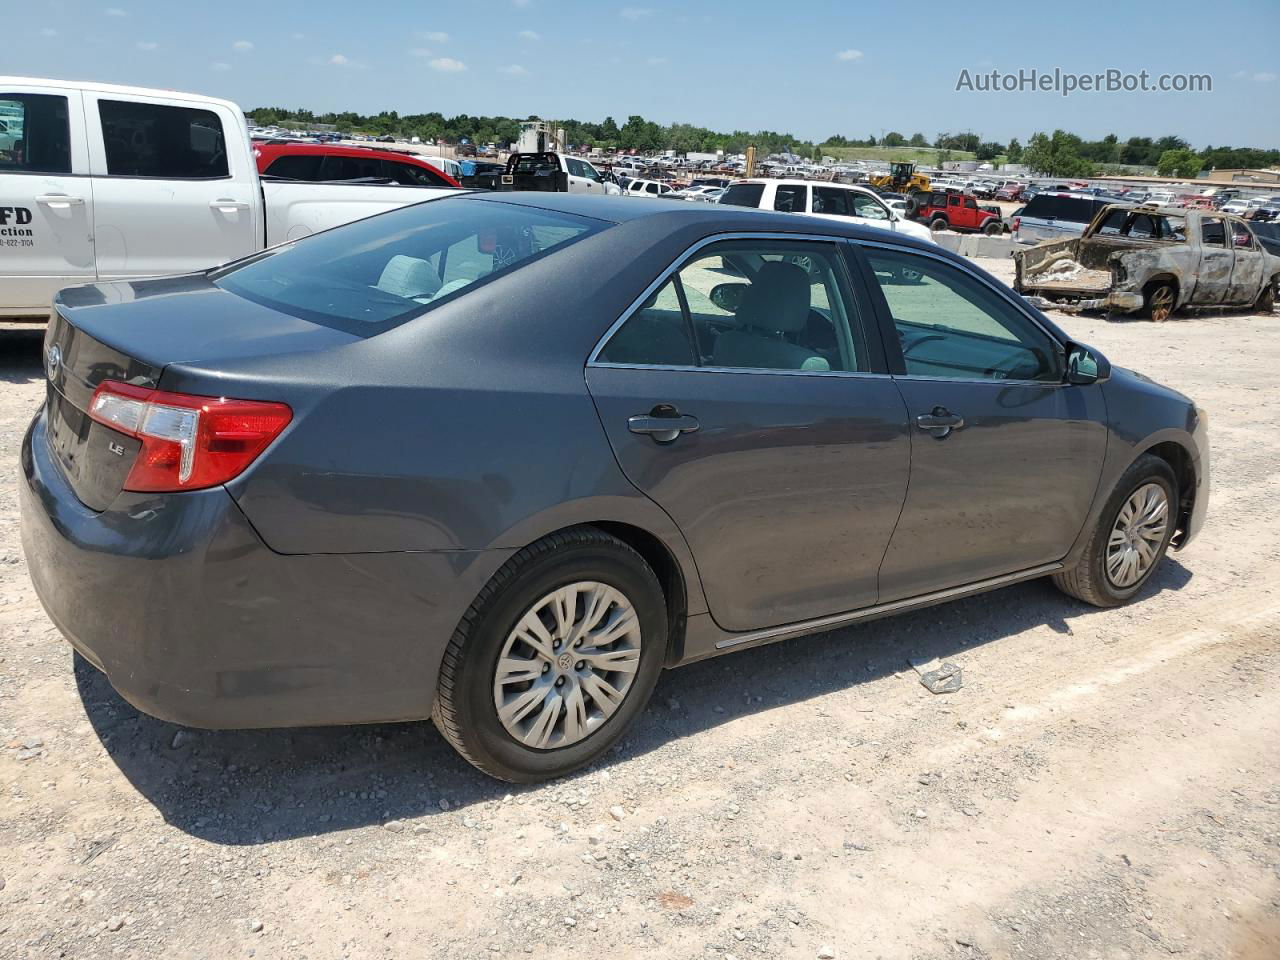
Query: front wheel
{"points": [[993, 227], [554, 659], [938, 224], [1131, 538]]}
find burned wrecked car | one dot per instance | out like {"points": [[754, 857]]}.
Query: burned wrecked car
{"points": [[1152, 260]]}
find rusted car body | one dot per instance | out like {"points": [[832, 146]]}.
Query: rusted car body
{"points": [[1152, 259]]}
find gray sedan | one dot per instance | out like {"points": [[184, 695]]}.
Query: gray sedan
{"points": [[500, 459]]}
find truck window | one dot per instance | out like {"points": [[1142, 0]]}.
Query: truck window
{"points": [[155, 140], [1113, 225], [35, 135], [351, 168], [295, 168], [743, 194], [868, 207], [1240, 237], [831, 200], [1212, 233], [1142, 227]]}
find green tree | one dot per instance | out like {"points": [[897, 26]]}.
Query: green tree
{"points": [[989, 150], [1014, 151], [1179, 163], [894, 139], [918, 140]]}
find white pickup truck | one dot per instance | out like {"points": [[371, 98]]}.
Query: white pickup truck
{"points": [[100, 182]]}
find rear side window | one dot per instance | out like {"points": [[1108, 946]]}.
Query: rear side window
{"points": [[351, 168], [155, 140], [35, 135], [1046, 206], [1213, 234], [791, 199], [409, 175], [743, 194], [295, 168], [374, 274], [831, 200]]}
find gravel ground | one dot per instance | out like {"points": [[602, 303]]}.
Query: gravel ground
{"points": [[1105, 785]]}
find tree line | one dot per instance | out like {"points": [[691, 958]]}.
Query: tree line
{"points": [[1059, 153]]}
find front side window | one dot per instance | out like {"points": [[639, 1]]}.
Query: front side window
{"points": [[575, 167], [749, 304], [156, 140], [950, 325], [411, 175], [1240, 238], [35, 133], [868, 208], [791, 198], [374, 274]]}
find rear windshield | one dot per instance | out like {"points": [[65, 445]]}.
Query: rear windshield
{"points": [[374, 274], [1046, 206], [743, 194]]}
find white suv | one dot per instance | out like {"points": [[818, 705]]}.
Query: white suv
{"points": [[831, 201], [648, 188]]}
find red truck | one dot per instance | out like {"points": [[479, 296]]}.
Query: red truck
{"points": [[946, 210]]}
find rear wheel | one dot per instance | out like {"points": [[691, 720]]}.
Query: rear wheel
{"points": [[1158, 300], [1131, 538], [554, 659]]}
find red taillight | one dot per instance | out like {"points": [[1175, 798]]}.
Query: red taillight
{"points": [[188, 443], [1017, 224]]}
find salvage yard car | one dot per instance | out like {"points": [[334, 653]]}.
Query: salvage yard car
{"points": [[1054, 216], [116, 182], [1155, 260], [500, 458], [949, 210], [829, 201]]}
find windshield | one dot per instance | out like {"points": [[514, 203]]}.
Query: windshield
{"points": [[374, 274]]}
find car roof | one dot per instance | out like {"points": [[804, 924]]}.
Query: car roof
{"points": [[332, 150], [796, 181], [713, 217], [96, 87]]}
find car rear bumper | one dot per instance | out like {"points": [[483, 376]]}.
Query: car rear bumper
{"points": [[196, 621]]}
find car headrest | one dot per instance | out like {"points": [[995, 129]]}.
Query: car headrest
{"points": [[777, 299]]}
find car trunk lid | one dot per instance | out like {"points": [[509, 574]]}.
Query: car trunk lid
{"points": [[129, 332]]}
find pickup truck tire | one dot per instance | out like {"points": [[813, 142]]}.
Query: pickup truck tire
{"points": [[1267, 298], [1089, 580], [938, 224], [1158, 300], [993, 227]]}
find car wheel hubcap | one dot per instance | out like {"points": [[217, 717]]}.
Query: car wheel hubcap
{"points": [[1137, 535], [567, 665], [1161, 304]]}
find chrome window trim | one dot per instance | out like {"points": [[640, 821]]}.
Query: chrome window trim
{"points": [[777, 372], [593, 358]]}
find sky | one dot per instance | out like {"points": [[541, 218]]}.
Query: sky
{"points": [[813, 69]]}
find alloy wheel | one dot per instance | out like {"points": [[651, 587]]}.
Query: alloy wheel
{"points": [[1137, 535], [567, 666]]}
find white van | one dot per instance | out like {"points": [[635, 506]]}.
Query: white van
{"points": [[831, 201]]}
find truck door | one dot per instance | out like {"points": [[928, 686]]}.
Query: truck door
{"points": [[1216, 261], [174, 186], [1246, 270], [579, 180], [46, 198]]}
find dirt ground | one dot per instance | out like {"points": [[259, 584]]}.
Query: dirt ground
{"points": [[1105, 785]]}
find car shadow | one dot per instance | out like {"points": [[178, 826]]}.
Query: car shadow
{"points": [[20, 360], [252, 786]]}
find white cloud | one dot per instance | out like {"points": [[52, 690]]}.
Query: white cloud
{"points": [[48, 32], [849, 54], [435, 36], [421, 52], [147, 44], [220, 66], [242, 46], [514, 70], [635, 13], [338, 60], [115, 12], [447, 65], [1264, 77], [530, 35]]}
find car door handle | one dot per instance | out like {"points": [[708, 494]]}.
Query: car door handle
{"points": [[939, 423], [228, 206], [59, 200], [664, 423]]}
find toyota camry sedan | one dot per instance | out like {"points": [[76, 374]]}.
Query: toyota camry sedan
{"points": [[499, 459]]}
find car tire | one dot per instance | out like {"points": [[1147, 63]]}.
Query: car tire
{"points": [[1158, 300], [1267, 298], [993, 227], [938, 224], [1092, 579], [466, 709]]}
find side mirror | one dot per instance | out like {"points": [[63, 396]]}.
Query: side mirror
{"points": [[1086, 365], [728, 296]]}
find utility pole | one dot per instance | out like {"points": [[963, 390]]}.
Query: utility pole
{"points": [[751, 161]]}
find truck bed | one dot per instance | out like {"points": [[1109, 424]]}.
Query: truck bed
{"points": [[1068, 276]]}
